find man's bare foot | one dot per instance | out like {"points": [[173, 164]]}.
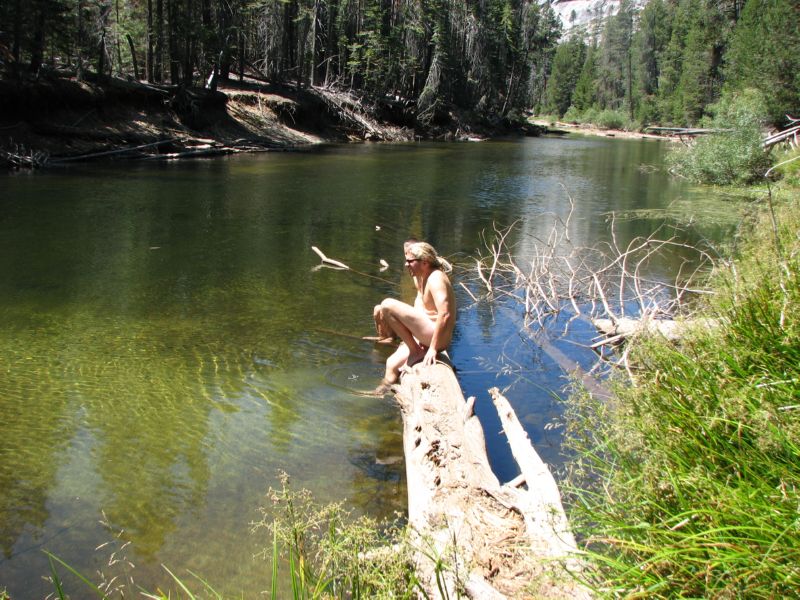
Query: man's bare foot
{"points": [[388, 341], [384, 387]]}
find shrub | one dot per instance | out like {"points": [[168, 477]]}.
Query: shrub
{"points": [[573, 115], [687, 485], [611, 119], [733, 156]]}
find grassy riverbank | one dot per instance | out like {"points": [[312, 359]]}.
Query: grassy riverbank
{"points": [[688, 484]]}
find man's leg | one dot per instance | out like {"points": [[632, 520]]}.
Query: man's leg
{"points": [[394, 363], [384, 333], [413, 326]]}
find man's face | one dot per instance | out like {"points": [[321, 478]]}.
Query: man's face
{"points": [[413, 264]]}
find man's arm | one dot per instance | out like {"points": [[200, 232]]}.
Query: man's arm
{"points": [[441, 294]]}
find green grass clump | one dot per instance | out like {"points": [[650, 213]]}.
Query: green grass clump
{"points": [[316, 552], [332, 555], [688, 483]]}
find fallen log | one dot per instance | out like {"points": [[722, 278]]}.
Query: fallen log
{"points": [[495, 541], [617, 330]]}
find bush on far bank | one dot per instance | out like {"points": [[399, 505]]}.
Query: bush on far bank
{"points": [[735, 154], [603, 119]]}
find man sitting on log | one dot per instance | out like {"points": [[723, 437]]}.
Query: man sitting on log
{"points": [[385, 335], [427, 327]]}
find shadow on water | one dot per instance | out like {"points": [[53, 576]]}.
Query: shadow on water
{"points": [[168, 345]]}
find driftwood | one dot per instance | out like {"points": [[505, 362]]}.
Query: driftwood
{"points": [[495, 541], [617, 330], [329, 261]]}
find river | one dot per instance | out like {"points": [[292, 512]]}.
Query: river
{"points": [[169, 344]]}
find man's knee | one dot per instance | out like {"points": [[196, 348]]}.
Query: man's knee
{"points": [[388, 305]]}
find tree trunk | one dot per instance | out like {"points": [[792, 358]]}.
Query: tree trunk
{"points": [[330, 40], [117, 40], [79, 35], [494, 540], [149, 37], [241, 55], [172, 42], [133, 57], [158, 71], [37, 47]]}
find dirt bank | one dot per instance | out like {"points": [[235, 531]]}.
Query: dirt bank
{"points": [[57, 120]]}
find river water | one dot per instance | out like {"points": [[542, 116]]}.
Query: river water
{"points": [[168, 343]]}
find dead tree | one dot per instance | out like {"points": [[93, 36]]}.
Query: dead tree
{"points": [[476, 537], [607, 284]]}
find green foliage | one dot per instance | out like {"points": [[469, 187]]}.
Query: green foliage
{"points": [[669, 63], [615, 60], [585, 95], [733, 156], [788, 166], [687, 485], [567, 66], [611, 119], [331, 554], [765, 53]]}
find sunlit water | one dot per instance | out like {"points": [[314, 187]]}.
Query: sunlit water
{"points": [[167, 344]]}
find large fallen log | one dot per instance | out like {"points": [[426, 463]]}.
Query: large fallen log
{"points": [[619, 329], [495, 541]]}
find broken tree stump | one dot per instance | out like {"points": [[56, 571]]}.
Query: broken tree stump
{"points": [[497, 541]]}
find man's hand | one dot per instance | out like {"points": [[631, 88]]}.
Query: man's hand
{"points": [[430, 357]]}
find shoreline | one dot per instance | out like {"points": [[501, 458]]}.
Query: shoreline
{"points": [[562, 127], [58, 120]]}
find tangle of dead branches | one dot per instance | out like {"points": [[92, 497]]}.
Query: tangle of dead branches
{"points": [[610, 281]]}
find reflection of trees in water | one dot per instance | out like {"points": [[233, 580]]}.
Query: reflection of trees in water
{"points": [[33, 436]]}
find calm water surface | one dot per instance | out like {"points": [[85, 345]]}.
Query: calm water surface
{"points": [[167, 344]]}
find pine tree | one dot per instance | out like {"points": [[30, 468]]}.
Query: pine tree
{"points": [[567, 67], [585, 96], [650, 45], [765, 54], [614, 82]]}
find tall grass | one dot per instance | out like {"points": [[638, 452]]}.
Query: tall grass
{"points": [[316, 551], [688, 484], [330, 554]]}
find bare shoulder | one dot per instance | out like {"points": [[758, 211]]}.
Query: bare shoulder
{"points": [[439, 279]]}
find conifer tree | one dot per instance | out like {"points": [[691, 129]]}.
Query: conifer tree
{"points": [[567, 67], [765, 54]]}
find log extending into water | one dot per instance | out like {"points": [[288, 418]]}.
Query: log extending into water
{"points": [[617, 330], [500, 541]]}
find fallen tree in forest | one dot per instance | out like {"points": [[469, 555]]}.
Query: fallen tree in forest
{"points": [[495, 540]]}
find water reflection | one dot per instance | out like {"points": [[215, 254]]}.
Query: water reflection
{"points": [[168, 346]]}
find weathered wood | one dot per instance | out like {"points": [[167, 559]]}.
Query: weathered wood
{"points": [[328, 261], [497, 541], [545, 517], [619, 329]]}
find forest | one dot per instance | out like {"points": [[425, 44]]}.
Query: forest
{"points": [[651, 62], [669, 62]]}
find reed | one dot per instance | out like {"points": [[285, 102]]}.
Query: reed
{"points": [[687, 484]]}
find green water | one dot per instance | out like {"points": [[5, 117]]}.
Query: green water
{"points": [[167, 344]]}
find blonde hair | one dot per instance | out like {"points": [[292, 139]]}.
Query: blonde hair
{"points": [[425, 252]]}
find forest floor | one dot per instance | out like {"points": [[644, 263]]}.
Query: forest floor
{"points": [[59, 119]]}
